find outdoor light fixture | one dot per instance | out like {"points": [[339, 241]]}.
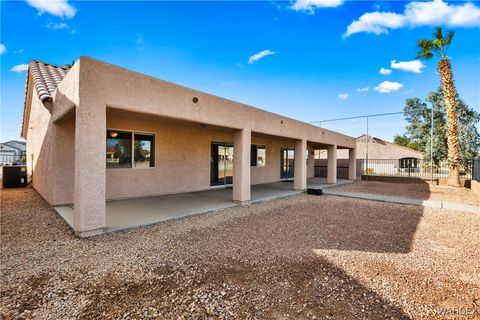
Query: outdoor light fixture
{"points": [[113, 134]]}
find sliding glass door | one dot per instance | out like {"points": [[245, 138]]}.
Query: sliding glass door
{"points": [[221, 168], [287, 163]]}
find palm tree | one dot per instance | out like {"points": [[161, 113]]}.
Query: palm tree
{"points": [[427, 49], [69, 65]]}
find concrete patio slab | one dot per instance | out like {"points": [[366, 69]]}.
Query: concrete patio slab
{"points": [[321, 183], [131, 213], [138, 212]]}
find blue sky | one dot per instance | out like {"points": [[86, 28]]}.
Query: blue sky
{"points": [[307, 60]]}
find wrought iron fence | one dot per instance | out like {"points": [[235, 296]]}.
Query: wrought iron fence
{"points": [[12, 160], [321, 171], [476, 169], [409, 167]]}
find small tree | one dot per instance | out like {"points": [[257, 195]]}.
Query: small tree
{"points": [[403, 140], [418, 128]]}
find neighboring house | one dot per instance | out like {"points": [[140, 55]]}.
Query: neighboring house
{"points": [[382, 149], [12, 152], [98, 132], [383, 156], [20, 145]]}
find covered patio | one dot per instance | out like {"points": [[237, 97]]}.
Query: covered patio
{"points": [[178, 151], [138, 212]]}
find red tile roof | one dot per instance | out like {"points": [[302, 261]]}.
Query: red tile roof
{"points": [[46, 78]]}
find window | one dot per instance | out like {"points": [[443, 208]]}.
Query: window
{"points": [[258, 156], [409, 163], [144, 151], [119, 149], [123, 147]]}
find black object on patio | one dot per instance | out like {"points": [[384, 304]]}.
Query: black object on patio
{"points": [[314, 191], [14, 176]]}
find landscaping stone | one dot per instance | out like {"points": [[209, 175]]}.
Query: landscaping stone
{"points": [[301, 257]]}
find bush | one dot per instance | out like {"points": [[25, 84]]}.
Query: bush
{"points": [[368, 171]]}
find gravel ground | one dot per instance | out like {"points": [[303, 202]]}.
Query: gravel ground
{"points": [[303, 257], [414, 190]]}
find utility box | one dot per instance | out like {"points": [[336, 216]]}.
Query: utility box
{"points": [[14, 176]]}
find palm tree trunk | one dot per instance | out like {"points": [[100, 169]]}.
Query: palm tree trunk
{"points": [[449, 92]]}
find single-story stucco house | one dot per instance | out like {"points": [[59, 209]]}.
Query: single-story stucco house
{"points": [[97, 132], [384, 157], [382, 149]]}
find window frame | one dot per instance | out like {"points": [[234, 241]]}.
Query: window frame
{"points": [[255, 146], [133, 132]]}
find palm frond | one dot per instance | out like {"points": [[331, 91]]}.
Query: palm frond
{"points": [[426, 55], [437, 44], [425, 48], [449, 38], [438, 34], [425, 44]]}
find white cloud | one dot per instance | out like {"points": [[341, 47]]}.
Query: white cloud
{"points": [[408, 92], [363, 89], [415, 66], [385, 71], [140, 39], [388, 86], [311, 5], [57, 26], [439, 12], [3, 49], [257, 56], [20, 68], [375, 22], [343, 96], [59, 8], [416, 14], [18, 51]]}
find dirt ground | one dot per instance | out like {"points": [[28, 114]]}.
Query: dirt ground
{"points": [[303, 257], [414, 190]]}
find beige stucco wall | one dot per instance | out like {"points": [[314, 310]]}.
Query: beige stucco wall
{"points": [[39, 148], [76, 130], [182, 157], [182, 153], [50, 145], [115, 87], [67, 95], [64, 161]]}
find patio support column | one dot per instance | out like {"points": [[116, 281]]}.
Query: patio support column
{"points": [[352, 164], [311, 163], [90, 169], [300, 177], [332, 164], [241, 165]]}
